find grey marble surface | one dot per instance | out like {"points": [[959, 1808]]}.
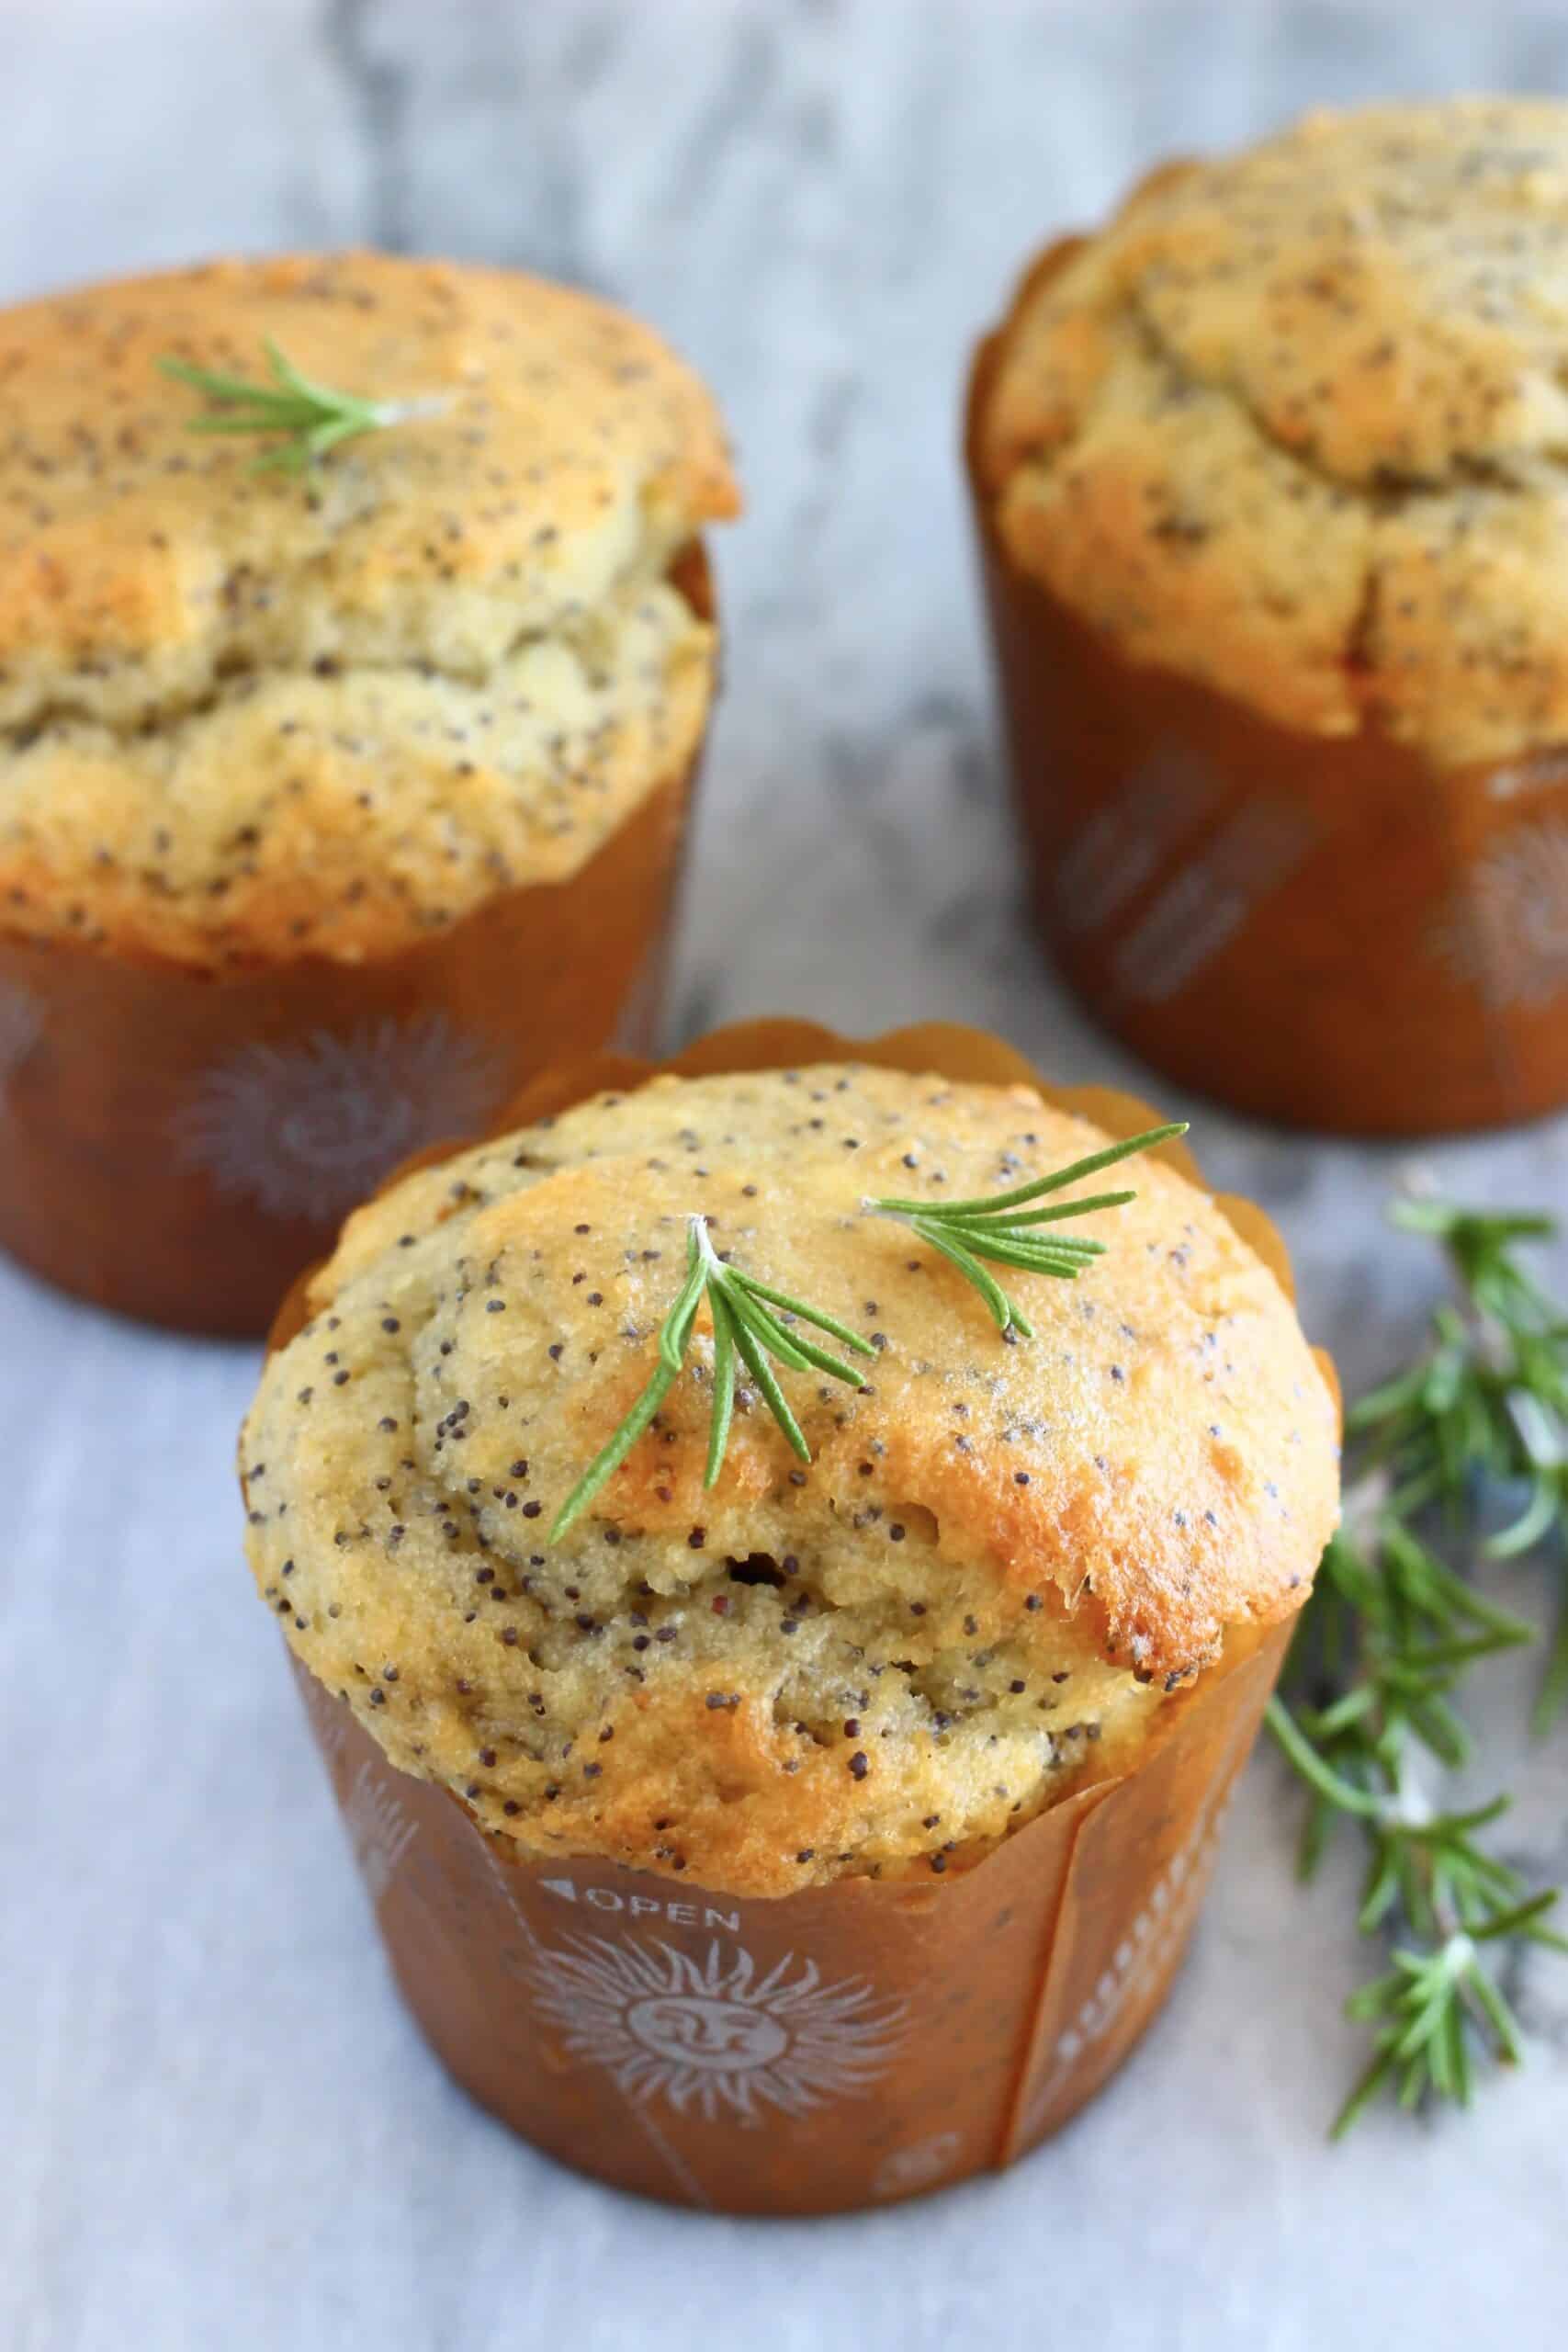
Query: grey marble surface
{"points": [[218, 2126]]}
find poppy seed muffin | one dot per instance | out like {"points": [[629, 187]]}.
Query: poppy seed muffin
{"points": [[1000, 1564], [1291, 425], [1267, 481], [247, 719], [334, 801]]}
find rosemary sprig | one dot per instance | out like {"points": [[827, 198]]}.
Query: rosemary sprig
{"points": [[1005, 1228], [752, 1323], [1488, 1401], [305, 419], [1391, 1631]]}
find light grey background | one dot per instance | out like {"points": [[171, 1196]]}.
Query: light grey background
{"points": [[218, 2129]]}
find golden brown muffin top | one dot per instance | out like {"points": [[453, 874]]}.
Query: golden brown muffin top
{"points": [[1293, 425], [999, 1561], [249, 716]]}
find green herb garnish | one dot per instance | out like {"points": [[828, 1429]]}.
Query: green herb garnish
{"points": [[751, 1322], [306, 419], [967, 1231], [1391, 1630]]}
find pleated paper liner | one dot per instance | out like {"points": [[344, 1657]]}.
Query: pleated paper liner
{"points": [[853, 2044], [1325, 931], [177, 1144]]}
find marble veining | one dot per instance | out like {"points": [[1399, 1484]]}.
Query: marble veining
{"points": [[218, 2126]]}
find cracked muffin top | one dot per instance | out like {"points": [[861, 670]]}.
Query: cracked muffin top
{"points": [[1294, 424], [1000, 1563], [250, 715]]}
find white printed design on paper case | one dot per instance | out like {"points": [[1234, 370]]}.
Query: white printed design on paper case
{"points": [[1505, 931], [1211, 895], [306, 1129], [21, 1026], [329, 1720], [379, 1830], [921, 2166], [1122, 845], [1147, 1947], [714, 2038]]}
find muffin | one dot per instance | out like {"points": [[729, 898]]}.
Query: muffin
{"points": [[334, 801], [1275, 537], [869, 1797]]}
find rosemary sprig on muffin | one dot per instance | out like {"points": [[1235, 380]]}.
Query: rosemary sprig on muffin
{"points": [[1389, 1634], [751, 1322], [1004, 1228], [304, 419]]}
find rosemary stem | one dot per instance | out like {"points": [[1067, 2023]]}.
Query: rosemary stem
{"points": [[1393, 1627]]}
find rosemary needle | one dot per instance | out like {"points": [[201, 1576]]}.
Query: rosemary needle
{"points": [[751, 1324], [1004, 1228], [303, 418]]}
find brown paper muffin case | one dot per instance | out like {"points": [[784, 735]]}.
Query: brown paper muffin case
{"points": [[1328, 930], [849, 2045], [176, 1145]]}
